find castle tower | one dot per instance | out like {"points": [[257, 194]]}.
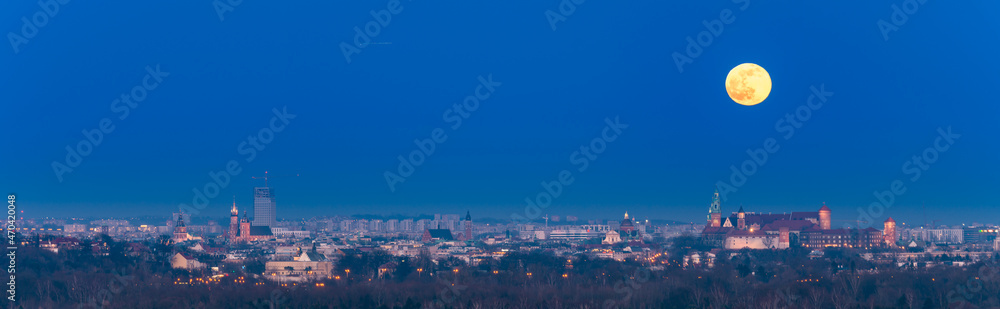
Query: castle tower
{"points": [[889, 232], [468, 226], [234, 221], [715, 211], [741, 222], [824, 217]]}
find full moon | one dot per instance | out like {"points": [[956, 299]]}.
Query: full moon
{"points": [[748, 84]]}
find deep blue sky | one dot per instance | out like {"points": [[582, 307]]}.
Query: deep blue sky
{"points": [[607, 59]]}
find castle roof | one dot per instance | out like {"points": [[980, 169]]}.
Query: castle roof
{"points": [[716, 230], [802, 215], [793, 225]]}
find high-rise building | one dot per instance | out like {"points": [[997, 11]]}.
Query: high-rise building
{"points": [[263, 207], [422, 224]]}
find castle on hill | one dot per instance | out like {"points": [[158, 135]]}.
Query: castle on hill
{"points": [[811, 229]]}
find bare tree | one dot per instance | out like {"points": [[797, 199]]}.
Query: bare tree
{"points": [[698, 297], [719, 297], [841, 300], [816, 297]]}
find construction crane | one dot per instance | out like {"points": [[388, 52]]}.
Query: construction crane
{"points": [[266, 176]]}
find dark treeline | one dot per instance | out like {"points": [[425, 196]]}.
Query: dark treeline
{"points": [[79, 278]]}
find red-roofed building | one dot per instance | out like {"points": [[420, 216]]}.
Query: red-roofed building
{"points": [[780, 231]]}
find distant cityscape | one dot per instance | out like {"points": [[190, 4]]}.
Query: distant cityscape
{"points": [[344, 251], [294, 249]]}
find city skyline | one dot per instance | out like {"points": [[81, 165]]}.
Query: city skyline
{"points": [[501, 154], [343, 126], [914, 220]]}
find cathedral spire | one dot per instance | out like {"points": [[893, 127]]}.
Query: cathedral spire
{"points": [[716, 204], [715, 210], [234, 211]]}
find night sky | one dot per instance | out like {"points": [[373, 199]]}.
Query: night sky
{"points": [[221, 80]]}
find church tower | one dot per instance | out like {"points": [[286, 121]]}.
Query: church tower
{"points": [[468, 226], [715, 211], [180, 231], [245, 228], [234, 221]]}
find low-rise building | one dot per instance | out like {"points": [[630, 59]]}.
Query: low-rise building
{"points": [[307, 267], [184, 261]]}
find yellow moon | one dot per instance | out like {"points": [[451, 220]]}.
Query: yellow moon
{"points": [[748, 84]]}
